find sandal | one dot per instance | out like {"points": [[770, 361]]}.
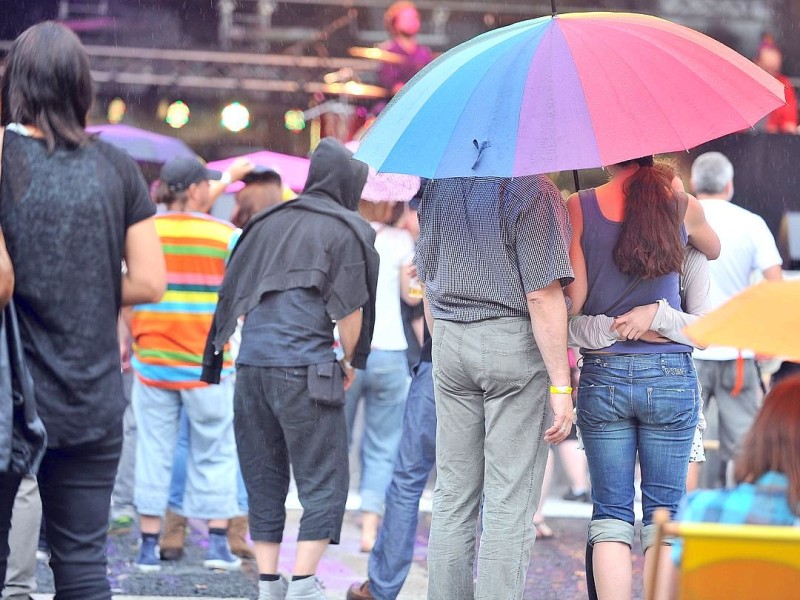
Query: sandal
{"points": [[543, 531]]}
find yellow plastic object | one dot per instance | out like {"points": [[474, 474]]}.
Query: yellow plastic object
{"points": [[735, 562], [764, 318]]}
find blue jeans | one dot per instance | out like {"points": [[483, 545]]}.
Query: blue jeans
{"points": [[177, 485], [384, 387], [394, 550], [211, 458], [629, 404]]}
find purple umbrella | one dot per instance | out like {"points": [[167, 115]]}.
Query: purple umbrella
{"points": [[142, 145]]}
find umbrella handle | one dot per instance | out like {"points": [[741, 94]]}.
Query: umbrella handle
{"points": [[575, 175], [553, 6]]}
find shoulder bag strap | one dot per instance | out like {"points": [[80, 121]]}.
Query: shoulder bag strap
{"points": [[624, 295]]}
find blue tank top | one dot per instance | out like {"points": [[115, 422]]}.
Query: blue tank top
{"points": [[607, 282]]}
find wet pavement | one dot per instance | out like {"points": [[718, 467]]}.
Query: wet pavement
{"points": [[556, 570]]}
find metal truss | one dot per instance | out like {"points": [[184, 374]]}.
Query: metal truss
{"points": [[247, 73]]}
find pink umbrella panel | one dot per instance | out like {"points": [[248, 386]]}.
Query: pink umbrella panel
{"points": [[292, 169]]}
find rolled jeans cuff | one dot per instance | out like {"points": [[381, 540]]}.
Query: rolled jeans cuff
{"points": [[649, 537], [610, 530]]}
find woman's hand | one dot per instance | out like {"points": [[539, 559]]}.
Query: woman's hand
{"points": [[6, 273], [636, 322]]}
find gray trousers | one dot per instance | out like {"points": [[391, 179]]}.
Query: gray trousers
{"points": [[736, 413], [22, 541], [492, 407], [122, 496]]}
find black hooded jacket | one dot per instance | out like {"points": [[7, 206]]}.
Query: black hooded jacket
{"points": [[288, 246]]}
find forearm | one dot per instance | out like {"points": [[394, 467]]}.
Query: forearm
{"points": [[349, 332], [670, 322], [591, 332], [548, 312]]}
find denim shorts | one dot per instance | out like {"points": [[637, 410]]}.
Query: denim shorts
{"points": [[629, 405]]}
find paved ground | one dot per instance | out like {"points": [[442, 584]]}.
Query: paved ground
{"points": [[556, 570]]}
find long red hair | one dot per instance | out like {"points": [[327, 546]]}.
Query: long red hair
{"points": [[773, 442], [650, 243]]}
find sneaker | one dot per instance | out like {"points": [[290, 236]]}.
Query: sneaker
{"points": [[42, 555], [147, 561], [273, 590], [573, 497], [121, 525], [309, 588], [43, 550], [219, 555]]}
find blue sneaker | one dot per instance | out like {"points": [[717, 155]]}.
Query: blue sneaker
{"points": [[147, 561], [219, 554]]}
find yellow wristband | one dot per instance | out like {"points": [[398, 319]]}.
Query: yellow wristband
{"points": [[560, 389]]}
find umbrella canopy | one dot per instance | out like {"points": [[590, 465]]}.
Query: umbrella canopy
{"points": [[563, 92], [142, 145], [764, 318], [386, 187], [292, 169]]}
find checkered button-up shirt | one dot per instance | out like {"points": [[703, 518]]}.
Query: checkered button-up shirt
{"points": [[485, 242]]}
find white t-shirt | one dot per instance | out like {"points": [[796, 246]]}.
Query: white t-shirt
{"points": [[747, 248], [396, 249]]}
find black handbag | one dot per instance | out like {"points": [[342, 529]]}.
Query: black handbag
{"points": [[23, 439]]}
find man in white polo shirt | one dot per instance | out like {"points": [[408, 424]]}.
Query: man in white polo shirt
{"points": [[727, 375]]}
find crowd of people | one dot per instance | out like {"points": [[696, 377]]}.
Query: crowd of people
{"points": [[248, 349]]}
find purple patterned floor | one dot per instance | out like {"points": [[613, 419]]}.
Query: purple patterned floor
{"points": [[556, 571]]}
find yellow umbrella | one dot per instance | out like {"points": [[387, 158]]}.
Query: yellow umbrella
{"points": [[764, 318]]}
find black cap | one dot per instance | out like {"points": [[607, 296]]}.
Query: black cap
{"points": [[180, 173], [262, 174]]}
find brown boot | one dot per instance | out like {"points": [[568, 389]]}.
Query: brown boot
{"points": [[360, 591], [237, 537], [173, 536]]}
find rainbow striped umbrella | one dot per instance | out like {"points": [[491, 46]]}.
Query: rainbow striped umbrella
{"points": [[564, 92]]}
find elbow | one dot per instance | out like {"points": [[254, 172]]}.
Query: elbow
{"points": [[157, 289], [152, 289], [546, 298]]}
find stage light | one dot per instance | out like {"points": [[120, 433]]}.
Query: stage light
{"points": [[294, 120], [116, 110], [177, 114], [235, 117]]}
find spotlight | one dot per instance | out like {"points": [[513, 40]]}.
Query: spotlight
{"points": [[116, 110], [177, 114], [235, 117], [294, 120]]}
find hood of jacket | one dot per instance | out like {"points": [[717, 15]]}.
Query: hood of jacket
{"points": [[334, 174]]}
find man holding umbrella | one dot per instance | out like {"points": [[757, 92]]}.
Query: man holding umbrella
{"points": [[493, 257]]}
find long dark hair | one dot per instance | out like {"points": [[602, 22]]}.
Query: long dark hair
{"points": [[773, 442], [48, 84], [650, 243]]}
